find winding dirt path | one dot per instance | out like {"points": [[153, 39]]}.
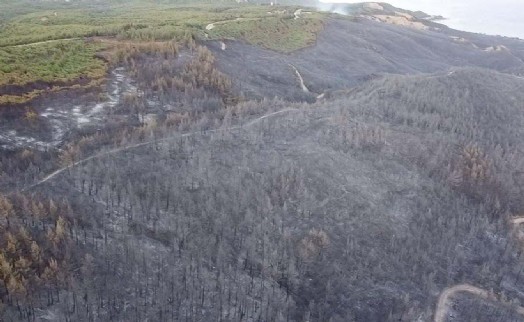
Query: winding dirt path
{"points": [[133, 146], [441, 310], [41, 42], [444, 299], [302, 85], [212, 26]]}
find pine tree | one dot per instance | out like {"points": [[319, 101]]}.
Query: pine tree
{"points": [[36, 252], [6, 209]]}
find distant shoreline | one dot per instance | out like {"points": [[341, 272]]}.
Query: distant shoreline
{"points": [[494, 19]]}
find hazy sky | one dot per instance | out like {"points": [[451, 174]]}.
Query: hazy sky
{"points": [[494, 17]]}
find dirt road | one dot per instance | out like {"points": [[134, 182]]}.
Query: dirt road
{"points": [[517, 221], [212, 26], [129, 147], [302, 85], [441, 310], [41, 42]]}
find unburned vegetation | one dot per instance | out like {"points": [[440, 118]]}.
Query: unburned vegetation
{"points": [[28, 71], [283, 34], [44, 50]]}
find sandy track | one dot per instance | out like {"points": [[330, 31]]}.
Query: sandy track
{"points": [[130, 147], [442, 307]]}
